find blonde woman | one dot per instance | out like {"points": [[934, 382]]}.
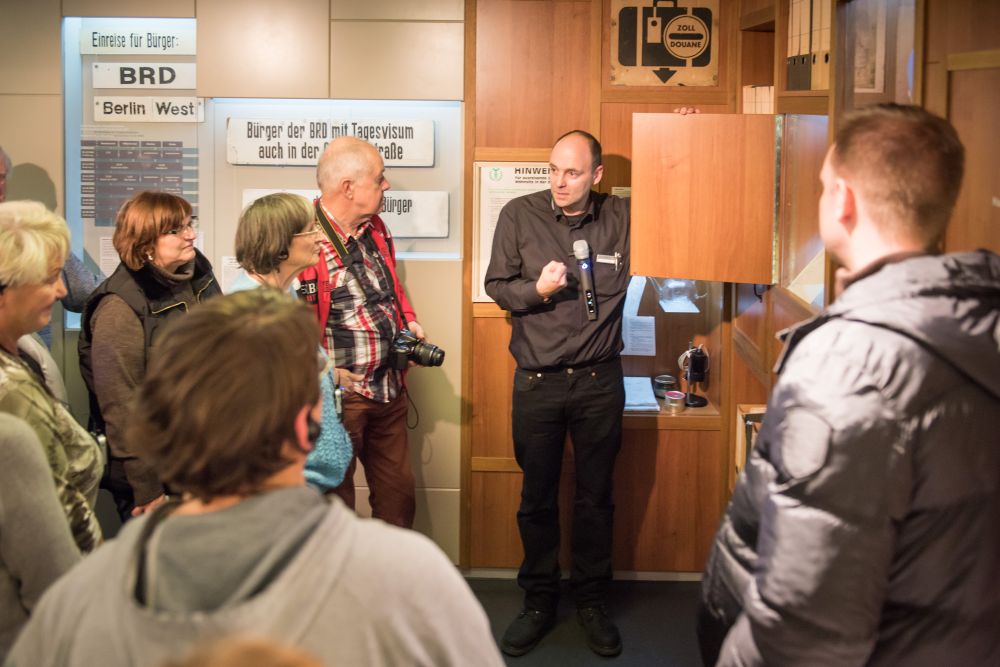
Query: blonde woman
{"points": [[34, 243]]}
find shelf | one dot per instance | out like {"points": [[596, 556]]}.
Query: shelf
{"points": [[804, 93], [692, 419], [810, 102]]}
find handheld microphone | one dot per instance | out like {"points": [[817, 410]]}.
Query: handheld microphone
{"points": [[582, 253]]}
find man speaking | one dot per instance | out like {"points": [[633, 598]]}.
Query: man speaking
{"points": [[560, 266]]}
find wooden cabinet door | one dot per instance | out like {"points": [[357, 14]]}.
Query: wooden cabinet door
{"points": [[704, 196]]}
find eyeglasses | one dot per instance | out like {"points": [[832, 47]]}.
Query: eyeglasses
{"points": [[190, 226], [315, 229]]}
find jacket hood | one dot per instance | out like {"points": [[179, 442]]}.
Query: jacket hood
{"points": [[950, 304]]}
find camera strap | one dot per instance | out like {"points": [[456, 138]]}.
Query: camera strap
{"points": [[383, 255]]}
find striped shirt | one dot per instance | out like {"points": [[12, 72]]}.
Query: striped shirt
{"points": [[362, 322]]}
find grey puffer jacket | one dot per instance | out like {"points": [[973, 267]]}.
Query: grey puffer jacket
{"points": [[866, 526]]}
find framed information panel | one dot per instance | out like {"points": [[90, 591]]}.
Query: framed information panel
{"points": [[496, 184]]}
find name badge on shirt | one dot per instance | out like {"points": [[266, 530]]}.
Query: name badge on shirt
{"points": [[307, 291], [610, 259]]}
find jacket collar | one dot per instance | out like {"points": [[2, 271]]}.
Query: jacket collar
{"points": [[163, 292]]}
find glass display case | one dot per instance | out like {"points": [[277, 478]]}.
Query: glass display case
{"points": [[802, 258], [663, 319]]}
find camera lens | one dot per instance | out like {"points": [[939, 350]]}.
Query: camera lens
{"points": [[426, 354]]}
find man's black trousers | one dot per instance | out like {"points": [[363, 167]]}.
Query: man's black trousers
{"points": [[587, 402]]}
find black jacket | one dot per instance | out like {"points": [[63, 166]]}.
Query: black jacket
{"points": [[154, 302]]}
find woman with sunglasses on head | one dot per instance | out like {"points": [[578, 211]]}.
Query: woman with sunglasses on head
{"points": [[276, 239], [161, 276]]}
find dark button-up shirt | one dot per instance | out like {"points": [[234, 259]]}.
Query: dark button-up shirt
{"points": [[531, 232]]}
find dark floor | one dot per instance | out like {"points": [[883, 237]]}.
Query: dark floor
{"points": [[656, 620]]}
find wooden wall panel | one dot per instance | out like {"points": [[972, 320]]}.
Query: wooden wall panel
{"points": [[955, 26], [786, 310], [747, 383], [975, 98], [668, 490], [751, 313], [757, 62], [492, 383], [751, 6], [968, 98], [496, 496], [494, 540], [533, 71]]}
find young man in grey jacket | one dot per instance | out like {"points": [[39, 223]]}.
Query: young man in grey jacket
{"points": [[866, 526], [226, 416]]}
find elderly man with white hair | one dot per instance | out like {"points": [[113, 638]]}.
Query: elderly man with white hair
{"points": [[362, 306]]}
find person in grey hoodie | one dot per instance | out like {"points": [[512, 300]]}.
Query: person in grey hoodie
{"points": [[226, 416], [36, 545], [865, 528]]}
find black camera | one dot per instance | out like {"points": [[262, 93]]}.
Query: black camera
{"points": [[665, 36], [407, 347]]}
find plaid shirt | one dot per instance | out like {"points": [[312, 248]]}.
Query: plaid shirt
{"points": [[362, 321]]}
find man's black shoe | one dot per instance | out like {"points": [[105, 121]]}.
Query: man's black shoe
{"points": [[524, 633], [602, 635]]}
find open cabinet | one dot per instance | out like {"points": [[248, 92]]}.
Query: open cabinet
{"points": [[734, 198]]}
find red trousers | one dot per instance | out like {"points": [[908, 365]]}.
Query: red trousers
{"points": [[378, 433]]}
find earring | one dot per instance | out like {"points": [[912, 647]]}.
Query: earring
{"points": [[149, 257]]}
